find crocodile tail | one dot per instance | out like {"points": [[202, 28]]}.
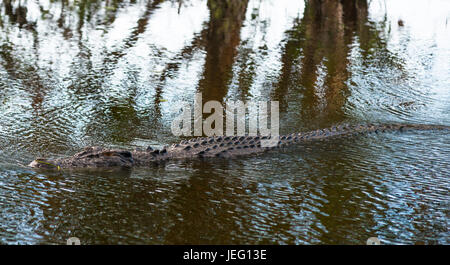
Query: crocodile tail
{"points": [[369, 128], [347, 129], [404, 127], [423, 127]]}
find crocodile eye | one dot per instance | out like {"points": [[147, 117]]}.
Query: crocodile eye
{"points": [[125, 154]]}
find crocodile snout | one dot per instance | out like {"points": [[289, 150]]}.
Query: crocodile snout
{"points": [[43, 163]]}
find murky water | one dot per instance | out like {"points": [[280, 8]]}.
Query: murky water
{"points": [[77, 73]]}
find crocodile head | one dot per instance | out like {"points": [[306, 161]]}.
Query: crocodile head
{"points": [[90, 157]]}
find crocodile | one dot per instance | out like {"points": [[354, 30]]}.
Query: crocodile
{"points": [[213, 146]]}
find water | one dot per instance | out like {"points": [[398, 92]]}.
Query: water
{"points": [[110, 73]]}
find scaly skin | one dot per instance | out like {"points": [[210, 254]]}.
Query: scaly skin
{"points": [[218, 146]]}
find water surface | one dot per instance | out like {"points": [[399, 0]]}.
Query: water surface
{"points": [[77, 73]]}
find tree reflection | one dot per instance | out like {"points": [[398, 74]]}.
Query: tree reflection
{"points": [[316, 57], [226, 18], [17, 14]]}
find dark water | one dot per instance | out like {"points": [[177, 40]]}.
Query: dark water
{"points": [[77, 73]]}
